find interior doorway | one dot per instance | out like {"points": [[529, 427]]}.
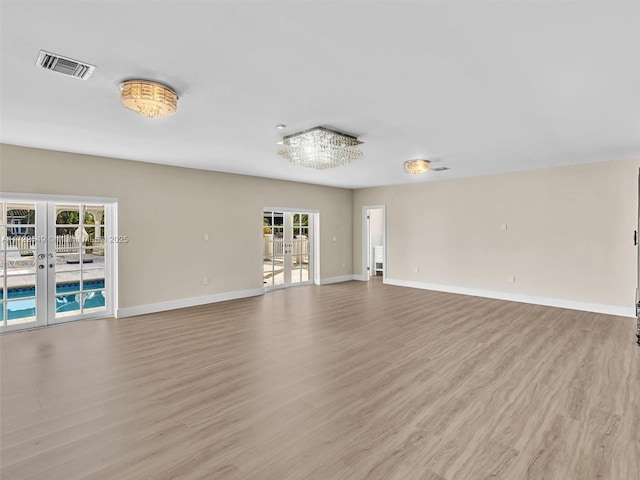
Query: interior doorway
{"points": [[374, 252], [56, 261], [288, 248], [637, 242]]}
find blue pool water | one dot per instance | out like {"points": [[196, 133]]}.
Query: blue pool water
{"points": [[68, 298]]}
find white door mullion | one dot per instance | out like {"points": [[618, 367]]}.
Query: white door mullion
{"points": [[288, 246], [40, 259], [51, 262]]}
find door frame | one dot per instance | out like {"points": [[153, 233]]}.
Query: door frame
{"points": [[365, 241], [111, 255], [314, 237], [637, 242]]}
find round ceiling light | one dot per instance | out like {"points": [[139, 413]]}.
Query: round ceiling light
{"points": [[416, 166], [150, 99]]}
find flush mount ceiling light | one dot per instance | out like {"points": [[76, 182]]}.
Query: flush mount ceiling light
{"points": [[320, 148], [150, 99], [417, 166]]}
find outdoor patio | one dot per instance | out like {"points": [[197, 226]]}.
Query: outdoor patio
{"points": [[22, 274], [273, 272], [275, 251]]}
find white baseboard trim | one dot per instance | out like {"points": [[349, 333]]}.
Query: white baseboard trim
{"points": [[518, 297], [187, 302], [360, 278], [342, 278]]}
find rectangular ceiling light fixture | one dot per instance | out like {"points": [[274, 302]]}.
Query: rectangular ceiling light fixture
{"points": [[320, 148]]}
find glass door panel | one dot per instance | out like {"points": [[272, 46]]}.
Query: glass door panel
{"points": [[53, 263], [80, 273], [300, 241], [286, 249], [20, 281], [273, 252]]}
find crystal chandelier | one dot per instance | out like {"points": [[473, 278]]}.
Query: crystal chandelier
{"points": [[417, 166], [148, 98], [320, 148]]}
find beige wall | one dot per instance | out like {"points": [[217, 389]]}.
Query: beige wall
{"points": [[569, 232], [165, 211]]}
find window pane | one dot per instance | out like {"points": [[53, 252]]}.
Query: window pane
{"points": [[93, 266], [91, 232], [66, 240], [67, 215], [21, 311], [20, 262], [93, 284], [73, 267], [21, 286], [94, 301], [67, 305], [66, 285], [20, 214], [20, 238]]}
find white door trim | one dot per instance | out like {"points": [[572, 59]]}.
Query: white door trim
{"points": [[365, 275], [34, 197]]}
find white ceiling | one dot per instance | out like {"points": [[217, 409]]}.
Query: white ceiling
{"points": [[481, 87]]}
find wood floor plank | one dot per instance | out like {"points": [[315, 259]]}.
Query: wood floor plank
{"points": [[350, 381]]}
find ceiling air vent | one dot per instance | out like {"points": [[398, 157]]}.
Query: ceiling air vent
{"points": [[440, 169], [64, 65]]}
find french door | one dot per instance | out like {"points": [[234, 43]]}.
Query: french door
{"points": [[55, 262], [287, 250]]}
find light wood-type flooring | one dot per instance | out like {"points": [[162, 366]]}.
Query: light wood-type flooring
{"points": [[348, 381]]}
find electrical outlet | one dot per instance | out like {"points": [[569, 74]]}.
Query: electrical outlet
{"points": [[417, 269], [205, 281], [206, 237], [512, 279]]}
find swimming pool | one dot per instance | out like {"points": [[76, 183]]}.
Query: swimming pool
{"points": [[63, 287], [68, 298]]}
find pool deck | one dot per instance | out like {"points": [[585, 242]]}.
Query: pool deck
{"points": [[273, 274], [24, 275]]}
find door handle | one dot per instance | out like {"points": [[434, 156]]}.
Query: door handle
{"points": [[51, 265], [40, 267], [635, 237]]}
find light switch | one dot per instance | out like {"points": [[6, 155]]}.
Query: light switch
{"points": [[206, 237]]}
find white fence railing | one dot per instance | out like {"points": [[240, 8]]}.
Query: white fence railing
{"points": [[64, 243], [274, 248]]}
